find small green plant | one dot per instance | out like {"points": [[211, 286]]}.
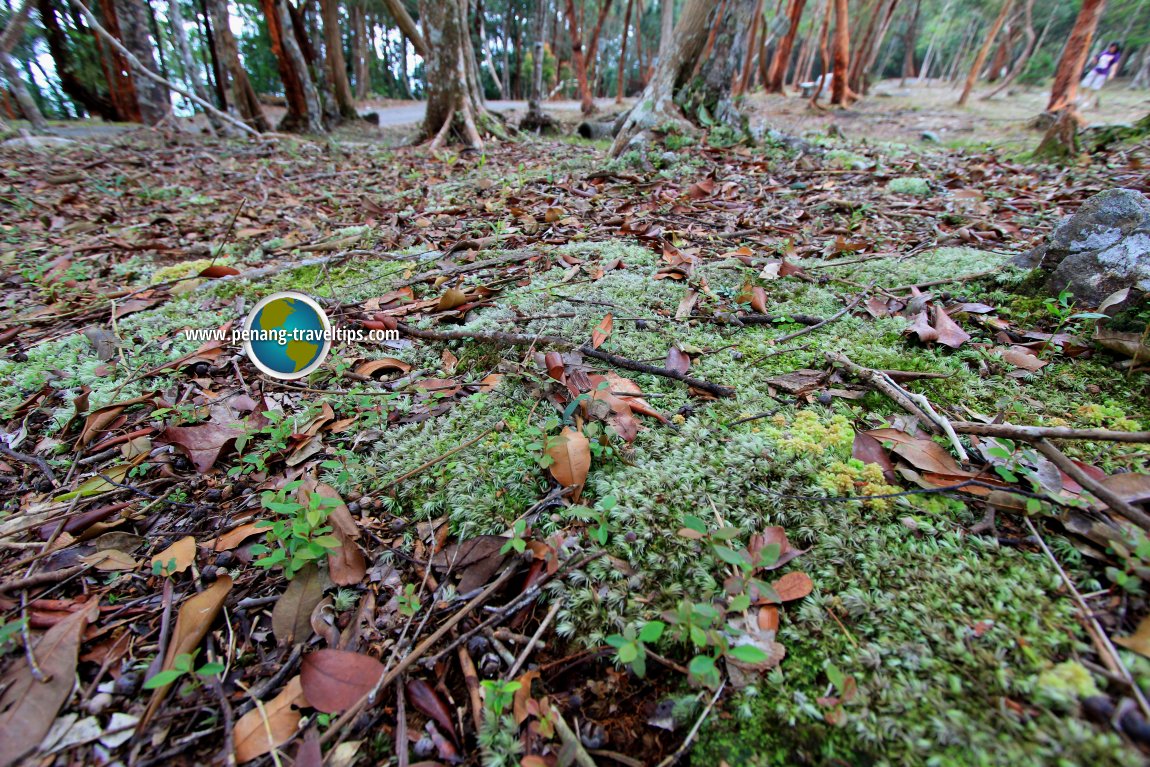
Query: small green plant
{"points": [[1134, 552], [1062, 309], [8, 634], [599, 518], [516, 542], [631, 646], [845, 688], [300, 535], [409, 603], [498, 696], [184, 666]]}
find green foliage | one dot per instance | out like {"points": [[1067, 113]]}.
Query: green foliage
{"points": [[183, 666], [409, 603], [300, 535]]}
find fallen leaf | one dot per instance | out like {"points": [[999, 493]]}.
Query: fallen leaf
{"points": [[1139, 641], [453, 298], [571, 456], [949, 333], [1131, 486], [371, 367], [759, 300], [346, 563], [110, 560], [603, 331], [920, 326], [424, 697], [202, 444], [291, 615], [216, 271], [793, 586], [177, 557], [1024, 358], [234, 537], [678, 360], [100, 419], [192, 623], [869, 450], [335, 680], [768, 618], [258, 732], [28, 707]]}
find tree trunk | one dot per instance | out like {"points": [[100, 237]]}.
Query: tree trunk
{"points": [[191, 71], [155, 102], [94, 102], [666, 27], [983, 52], [303, 105], [1060, 144], [776, 76], [824, 51], [910, 42], [1142, 78], [623, 54], [217, 71], [675, 88], [407, 26], [537, 121], [841, 55], [874, 46], [117, 72], [234, 76], [336, 63], [359, 51], [1027, 50], [11, 36], [1065, 89], [743, 78], [1001, 56], [454, 105]]}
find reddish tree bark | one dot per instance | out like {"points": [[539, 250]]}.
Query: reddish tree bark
{"points": [[1065, 88], [983, 52], [583, 59], [841, 54], [302, 106], [117, 72], [744, 78], [93, 101], [782, 59], [623, 53]]}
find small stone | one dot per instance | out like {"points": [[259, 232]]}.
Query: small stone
{"points": [[669, 158], [98, 703], [209, 574], [225, 559], [931, 137], [825, 398], [424, 748], [127, 684]]}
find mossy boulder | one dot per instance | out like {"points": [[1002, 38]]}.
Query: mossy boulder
{"points": [[1101, 249]]}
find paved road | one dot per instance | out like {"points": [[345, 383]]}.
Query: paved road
{"points": [[412, 113]]}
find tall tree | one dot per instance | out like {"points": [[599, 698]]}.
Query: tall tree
{"points": [[666, 27], [336, 64], [90, 98], [303, 104], [1065, 88], [184, 51], [622, 68], [360, 47], [8, 40], [696, 73], [454, 100], [984, 51], [233, 77], [117, 71], [407, 26], [841, 55], [782, 58], [154, 100], [580, 58]]}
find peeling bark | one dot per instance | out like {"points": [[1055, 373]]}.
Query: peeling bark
{"points": [[1065, 89], [234, 76]]}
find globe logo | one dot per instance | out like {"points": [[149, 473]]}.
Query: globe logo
{"points": [[287, 335]]}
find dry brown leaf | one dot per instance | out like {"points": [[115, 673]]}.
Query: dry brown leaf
{"points": [[29, 707], [451, 299], [1132, 487], [110, 560], [1024, 358], [177, 557], [603, 331], [759, 300], [793, 586], [279, 719], [949, 332], [202, 444], [371, 367], [335, 680], [291, 615], [192, 623], [1139, 641], [678, 360], [571, 456], [234, 537], [101, 418]]}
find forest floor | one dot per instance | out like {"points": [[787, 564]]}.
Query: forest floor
{"points": [[605, 497]]}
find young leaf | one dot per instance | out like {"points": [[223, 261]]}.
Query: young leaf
{"points": [[651, 631]]}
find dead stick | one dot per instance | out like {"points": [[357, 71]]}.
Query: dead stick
{"points": [[1117, 503], [41, 579], [534, 640], [813, 328], [513, 257], [1010, 431], [571, 740], [882, 383], [471, 679], [1102, 642], [681, 751], [515, 339], [448, 454], [348, 716]]}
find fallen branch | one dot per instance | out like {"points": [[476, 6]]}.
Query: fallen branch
{"points": [[534, 640], [511, 257], [842, 312], [571, 741], [515, 339], [1010, 431], [1117, 503], [681, 751], [42, 579]]}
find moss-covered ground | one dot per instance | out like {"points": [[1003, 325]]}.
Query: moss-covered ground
{"points": [[951, 637]]}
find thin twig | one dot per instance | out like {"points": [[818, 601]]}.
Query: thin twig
{"points": [[681, 751], [1010, 431], [523, 655], [1102, 642], [1117, 503], [824, 323]]}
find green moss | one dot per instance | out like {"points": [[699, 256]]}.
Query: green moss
{"points": [[909, 185]]}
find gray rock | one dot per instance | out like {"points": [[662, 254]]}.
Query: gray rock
{"points": [[1102, 248], [669, 158], [931, 137]]}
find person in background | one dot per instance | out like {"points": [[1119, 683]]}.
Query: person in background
{"points": [[1105, 66]]}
